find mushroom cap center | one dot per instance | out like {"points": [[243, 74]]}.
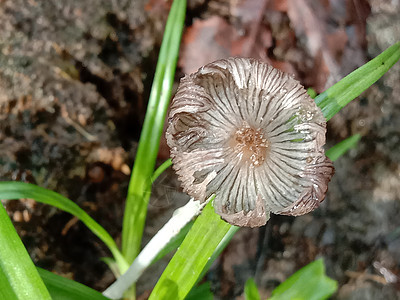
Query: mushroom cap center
{"points": [[250, 145]]}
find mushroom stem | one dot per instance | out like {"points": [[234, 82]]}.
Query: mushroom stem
{"points": [[180, 218]]}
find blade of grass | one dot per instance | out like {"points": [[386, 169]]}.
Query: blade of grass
{"points": [[250, 290], [112, 265], [6, 291], [18, 276], [339, 95], [174, 243], [177, 279], [221, 246], [342, 147], [311, 92], [309, 283], [182, 272], [61, 288], [165, 165], [18, 190], [201, 292], [140, 183]]}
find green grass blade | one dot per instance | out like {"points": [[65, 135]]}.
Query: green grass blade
{"points": [[311, 92], [61, 288], [201, 292], [18, 190], [175, 242], [18, 276], [221, 246], [112, 265], [339, 95], [309, 283], [250, 290], [192, 256], [342, 147], [140, 184], [165, 165]]}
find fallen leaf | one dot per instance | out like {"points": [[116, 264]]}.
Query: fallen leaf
{"points": [[357, 14], [206, 41], [214, 38], [337, 42], [278, 5], [308, 23]]}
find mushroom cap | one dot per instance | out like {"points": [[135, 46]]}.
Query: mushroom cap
{"points": [[251, 135]]}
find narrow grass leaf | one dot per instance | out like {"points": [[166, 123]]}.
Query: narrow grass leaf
{"points": [[339, 95], [189, 261], [165, 165], [201, 292], [250, 290], [140, 183], [6, 291], [309, 283], [341, 148], [221, 246], [61, 288], [112, 265], [311, 92], [18, 276], [18, 190], [175, 242]]}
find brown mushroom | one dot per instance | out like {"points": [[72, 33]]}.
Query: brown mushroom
{"points": [[250, 134]]}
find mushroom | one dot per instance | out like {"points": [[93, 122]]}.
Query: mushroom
{"points": [[250, 134]]}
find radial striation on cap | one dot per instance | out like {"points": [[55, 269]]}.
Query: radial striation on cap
{"points": [[250, 134]]}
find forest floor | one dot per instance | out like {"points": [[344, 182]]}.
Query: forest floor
{"points": [[75, 77]]}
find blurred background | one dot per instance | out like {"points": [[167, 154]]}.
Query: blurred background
{"points": [[75, 77]]}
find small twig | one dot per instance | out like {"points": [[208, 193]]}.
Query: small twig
{"points": [[365, 276], [249, 47], [181, 217], [69, 224], [77, 127]]}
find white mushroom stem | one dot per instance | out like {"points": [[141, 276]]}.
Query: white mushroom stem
{"points": [[180, 218]]}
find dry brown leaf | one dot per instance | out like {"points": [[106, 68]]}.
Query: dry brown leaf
{"points": [[157, 5], [337, 42], [206, 41], [308, 22], [278, 5], [214, 38], [357, 14]]}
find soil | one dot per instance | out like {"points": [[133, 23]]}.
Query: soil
{"points": [[75, 77]]}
